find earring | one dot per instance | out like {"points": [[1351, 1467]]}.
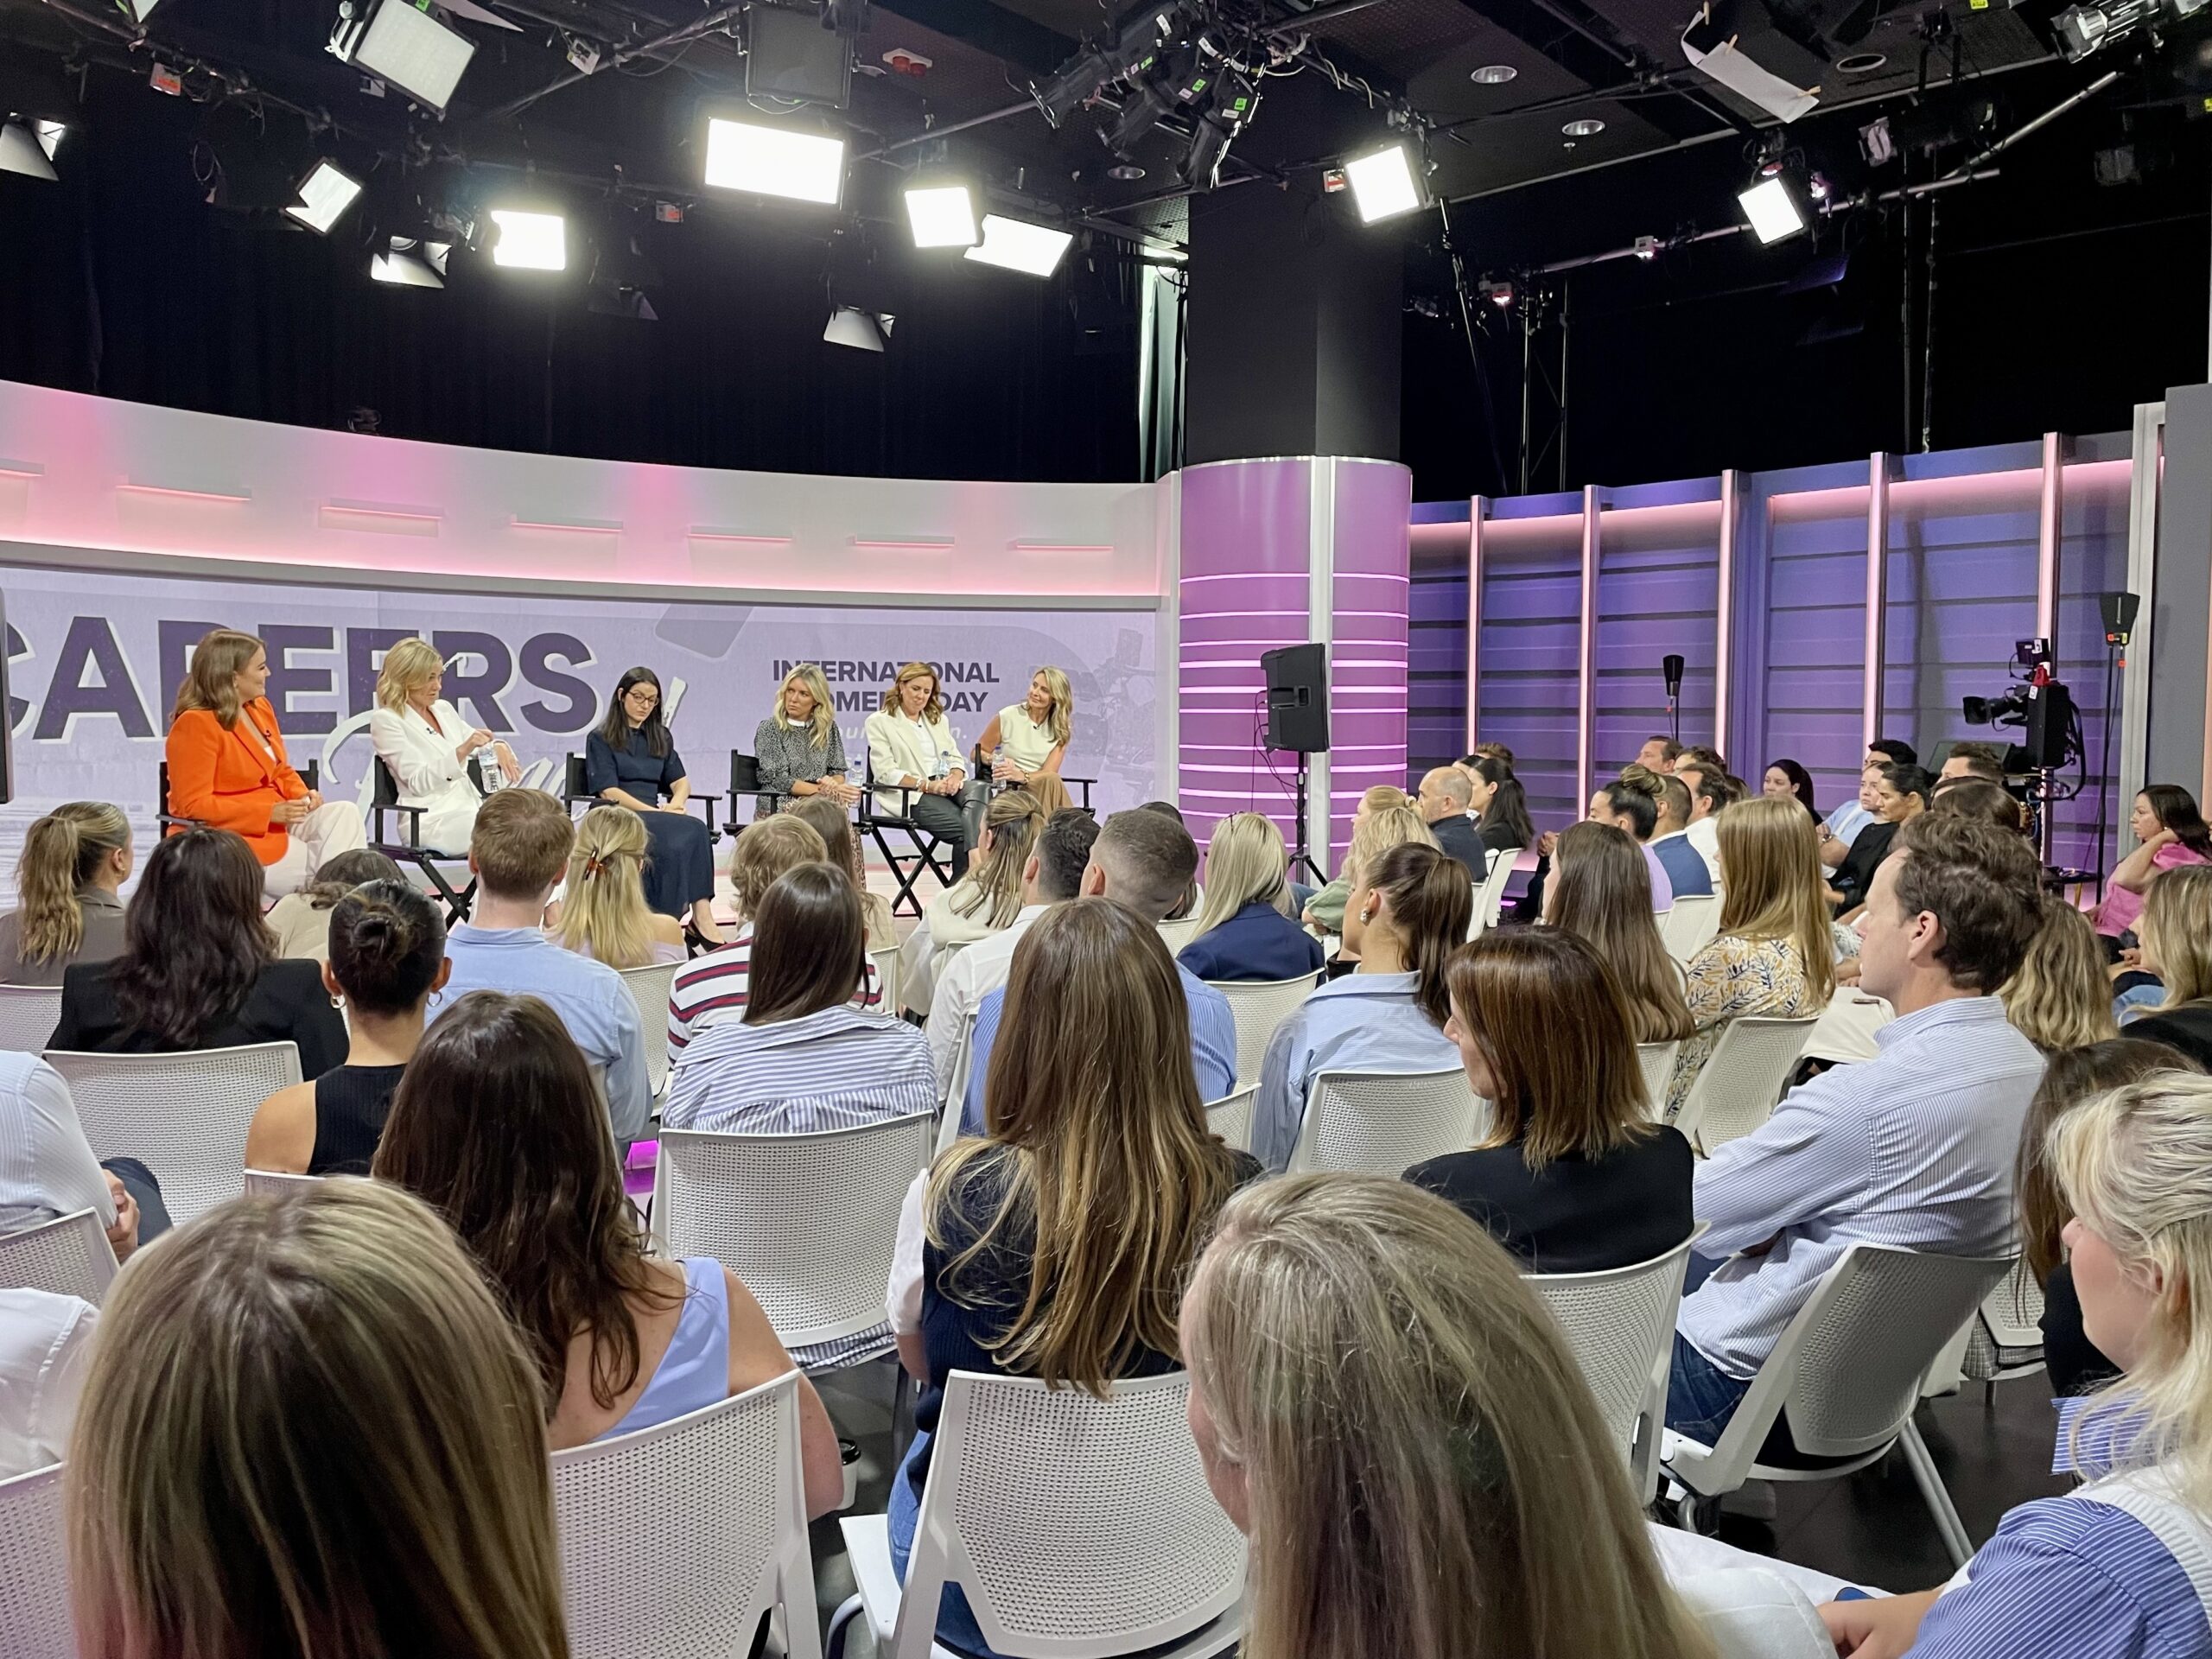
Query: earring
{"points": [[1365, 916], [339, 1003]]}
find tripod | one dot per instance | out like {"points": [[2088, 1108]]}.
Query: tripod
{"points": [[1298, 857]]}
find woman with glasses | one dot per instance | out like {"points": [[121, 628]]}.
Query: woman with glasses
{"points": [[631, 760]]}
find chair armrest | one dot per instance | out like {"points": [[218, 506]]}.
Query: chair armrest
{"points": [[414, 842], [710, 803]]}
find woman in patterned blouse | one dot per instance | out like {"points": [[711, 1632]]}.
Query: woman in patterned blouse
{"points": [[799, 748], [1773, 955]]}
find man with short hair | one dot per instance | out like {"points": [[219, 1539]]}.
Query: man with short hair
{"points": [[1914, 1148], [1659, 754], [1054, 875], [1686, 871], [517, 852], [1143, 861], [1709, 792], [1968, 759], [1891, 751], [1443, 803]]}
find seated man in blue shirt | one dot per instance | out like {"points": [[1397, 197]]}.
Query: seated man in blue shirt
{"points": [[517, 852], [1143, 861], [1914, 1148], [1686, 871]]}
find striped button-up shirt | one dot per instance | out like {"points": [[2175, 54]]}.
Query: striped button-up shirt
{"points": [[711, 990], [835, 1070], [1913, 1149]]}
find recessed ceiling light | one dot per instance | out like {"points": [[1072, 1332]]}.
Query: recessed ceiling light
{"points": [[1493, 74], [1861, 63], [1126, 172], [1587, 126]]}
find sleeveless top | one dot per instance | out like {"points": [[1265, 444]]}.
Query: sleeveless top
{"points": [[694, 1373], [351, 1104]]}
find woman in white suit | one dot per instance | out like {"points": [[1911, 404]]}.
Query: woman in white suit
{"points": [[428, 744], [911, 745]]}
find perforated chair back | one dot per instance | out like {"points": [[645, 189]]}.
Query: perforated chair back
{"points": [[1382, 1123], [1231, 1117], [276, 1183], [808, 1222], [185, 1114], [68, 1256], [649, 988], [1657, 1060], [676, 1539], [1177, 933], [1620, 1323], [35, 1619], [28, 1014], [2007, 1336], [1261, 1005], [1690, 926], [1490, 892], [887, 970], [1078, 1527], [1736, 1089]]}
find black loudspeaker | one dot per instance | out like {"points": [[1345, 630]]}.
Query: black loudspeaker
{"points": [[1670, 666], [2050, 720], [2119, 616], [1297, 698]]}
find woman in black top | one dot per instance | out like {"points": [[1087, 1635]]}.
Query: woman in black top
{"points": [[1573, 1176], [1900, 796], [631, 760], [199, 969], [387, 960]]}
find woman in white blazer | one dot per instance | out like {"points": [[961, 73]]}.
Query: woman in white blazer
{"points": [[910, 745], [427, 744]]}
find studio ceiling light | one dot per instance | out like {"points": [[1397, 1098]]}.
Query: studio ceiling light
{"points": [[1772, 211], [1587, 126], [864, 331], [531, 241], [1382, 183], [404, 47], [412, 264], [25, 148], [137, 11], [1494, 75], [1016, 245], [325, 194], [771, 161], [942, 215]]}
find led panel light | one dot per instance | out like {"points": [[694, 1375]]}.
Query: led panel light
{"points": [[1772, 211], [531, 241], [775, 161], [861, 330], [21, 152], [1382, 183], [943, 215], [411, 50], [325, 194], [411, 264], [1016, 245]]}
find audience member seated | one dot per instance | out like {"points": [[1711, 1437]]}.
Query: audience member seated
{"points": [[1845, 823], [2071, 1078], [1092, 1114], [2170, 835], [1573, 1176], [983, 902], [2117, 1567], [709, 989], [228, 770], [1900, 795], [75, 860], [2061, 999], [387, 957], [1054, 875], [603, 910], [2177, 935], [800, 750], [1408, 913], [1243, 931], [1688, 873], [1443, 804], [1968, 759], [497, 1129], [519, 849], [1194, 895], [1140, 860], [1973, 798], [1631, 804], [1659, 754], [1325, 907], [199, 969], [1500, 805], [631, 760], [1786, 780], [1773, 955], [1709, 795], [801, 1057], [1914, 1148], [46, 1344], [1387, 1410], [426, 747], [300, 920], [47, 1170], [842, 848], [1601, 893], [309, 1429]]}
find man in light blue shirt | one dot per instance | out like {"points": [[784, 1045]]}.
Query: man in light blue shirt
{"points": [[516, 853]]}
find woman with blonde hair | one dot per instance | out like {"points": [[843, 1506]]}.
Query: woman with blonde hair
{"points": [[983, 902], [914, 756], [308, 1429], [1774, 954], [800, 750], [1244, 931], [1027, 740], [68, 909], [1385, 817], [427, 747], [2175, 929], [1358, 1349], [1600, 891], [603, 914], [2060, 997], [1090, 1109]]}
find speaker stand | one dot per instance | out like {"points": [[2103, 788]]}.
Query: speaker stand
{"points": [[1300, 858]]}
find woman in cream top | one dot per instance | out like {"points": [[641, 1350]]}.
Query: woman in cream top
{"points": [[1034, 733], [911, 745], [427, 744]]}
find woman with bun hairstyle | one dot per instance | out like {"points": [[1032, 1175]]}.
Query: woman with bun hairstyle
{"points": [[1631, 804], [74, 860]]}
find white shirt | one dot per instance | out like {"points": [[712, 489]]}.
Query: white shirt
{"points": [[47, 1166], [969, 977], [1704, 835], [1027, 744], [45, 1344]]}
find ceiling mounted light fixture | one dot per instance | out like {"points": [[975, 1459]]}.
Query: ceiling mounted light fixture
{"points": [[1014, 245], [402, 47], [25, 149], [1383, 183], [864, 331], [941, 215], [1587, 126], [775, 161], [325, 194], [530, 241], [1494, 75], [412, 264], [1771, 210]]}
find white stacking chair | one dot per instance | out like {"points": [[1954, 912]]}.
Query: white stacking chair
{"points": [[1231, 1117], [887, 970], [1847, 1372], [1657, 1060], [1260, 1006], [1078, 1527], [1690, 926], [1620, 1323], [1736, 1089], [275, 1183], [2005, 1340], [808, 1222], [185, 1116], [28, 1014], [69, 1256], [1382, 1123], [1180, 932], [963, 1066], [676, 1539], [34, 1617], [649, 987], [1490, 892]]}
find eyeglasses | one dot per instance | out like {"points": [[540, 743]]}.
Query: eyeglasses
{"points": [[642, 697]]}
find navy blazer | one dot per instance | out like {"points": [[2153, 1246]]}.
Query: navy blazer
{"points": [[1457, 835], [1258, 942]]}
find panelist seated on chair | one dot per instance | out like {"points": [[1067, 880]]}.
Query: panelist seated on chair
{"points": [[1600, 891], [427, 746], [1027, 740], [1913, 1149], [603, 910], [200, 968], [800, 752], [1573, 1176], [631, 760], [300, 920], [1244, 930], [228, 767], [910, 747], [68, 907]]}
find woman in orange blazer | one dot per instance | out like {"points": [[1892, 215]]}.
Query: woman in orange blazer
{"points": [[227, 768]]}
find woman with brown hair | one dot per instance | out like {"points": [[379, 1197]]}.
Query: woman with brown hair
{"points": [[499, 1127], [1600, 891], [1092, 1114], [74, 862], [914, 757], [1774, 954], [1573, 1177], [842, 848], [983, 902]]}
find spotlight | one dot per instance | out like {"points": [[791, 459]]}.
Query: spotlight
{"points": [[1213, 131], [1086, 74], [864, 331], [1493, 74], [1772, 211], [26, 148], [325, 194], [775, 161], [412, 264], [1069, 89], [943, 215], [137, 11], [1145, 110], [2083, 29], [1647, 247], [409, 49], [1383, 183], [1499, 294], [1818, 187], [531, 241], [1018, 246]]}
